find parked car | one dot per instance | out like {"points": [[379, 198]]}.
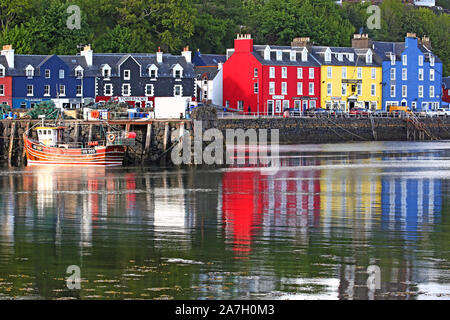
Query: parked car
{"points": [[427, 113], [317, 112], [294, 112], [359, 112], [380, 113], [399, 113], [338, 113], [441, 112]]}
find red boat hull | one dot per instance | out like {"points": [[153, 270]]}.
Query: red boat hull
{"points": [[38, 154]]}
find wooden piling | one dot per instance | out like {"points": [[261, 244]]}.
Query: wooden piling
{"points": [[11, 143], [24, 154], [148, 140], [90, 133], [166, 136], [180, 138]]}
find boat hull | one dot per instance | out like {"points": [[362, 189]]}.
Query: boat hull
{"points": [[38, 154]]}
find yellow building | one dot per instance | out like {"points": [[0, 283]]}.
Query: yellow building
{"points": [[350, 77]]}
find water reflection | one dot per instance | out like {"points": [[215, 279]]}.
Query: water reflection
{"points": [[308, 231]]}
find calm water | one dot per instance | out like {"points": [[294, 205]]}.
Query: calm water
{"points": [[307, 232]]}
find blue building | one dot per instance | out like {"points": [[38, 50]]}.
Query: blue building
{"points": [[67, 80], [412, 74]]}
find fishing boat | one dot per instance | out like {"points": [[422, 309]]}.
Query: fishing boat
{"points": [[49, 148]]}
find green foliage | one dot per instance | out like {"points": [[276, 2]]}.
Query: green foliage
{"points": [[39, 26], [46, 108]]}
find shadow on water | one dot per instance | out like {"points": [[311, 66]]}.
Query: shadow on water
{"points": [[309, 231]]}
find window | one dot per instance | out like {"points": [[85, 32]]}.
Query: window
{"points": [[62, 90], [271, 87], [293, 56], [272, 72], [311, 73], [304, 55], [255, 87], [392, 59], [30, 71], [392, 74], [329, 89], [312, 104], [29, 90], [240, 105], [126, 74], [108, 89], [359, 72], [300, 88], [369, 57], [79, 73], [153, 73], [277, 105], [61, 74], [329, 73], [149, 90], [344, 89], [431, 74], [299, 73], [405, 59], [46, 90], [79, 90], [359, 89], [2, 90], [255, 72], [2, 71], [373, 73], [285, 104], [311, 89], [392, 90], [373, 90], [420, 60], [404, 91], [340, 56], [284, 72], [126, 89], [413, 105], [420, 91], [431, 61], [327, 56], [106, 73], [344, 73], [431, 91], [177, 74], [178, 90], [284, 88], [47, 73], [404, 74], [279, 55], [351, 57], [420, 74]]}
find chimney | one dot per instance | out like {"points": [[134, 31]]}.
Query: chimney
{"points": [[361, 41], [411, 40], [411, 35], [426, 42], [187, 54], [300, 42], [159, 56], [87, 53], [243, 43], [8, 52]]}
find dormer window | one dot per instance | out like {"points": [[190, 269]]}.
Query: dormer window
{"points": [[178, 72], [351, 57], [431, 61], [267, 53], [153, 71], [328, 55], [79, 72], [106, 72], [393, 59], [420, 60], [29, 71], [279, 55], [304, 55], [2, 71], [369, 57], [293, 56], [340, 56]]}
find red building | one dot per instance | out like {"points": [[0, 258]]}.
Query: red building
{"points": [[270, 79], [446, 90], [6, 60]]}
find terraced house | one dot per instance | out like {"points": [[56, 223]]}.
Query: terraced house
{"points": [[350, 77], [412, 73], [66, 80], [267, 80], [161, 81]]}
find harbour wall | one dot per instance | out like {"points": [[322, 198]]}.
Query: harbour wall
{"points": [[156, 138]]}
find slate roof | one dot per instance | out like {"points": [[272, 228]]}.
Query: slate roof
{"points": [[21, 61], [359, 56], [258, 53], [381, 48], [145, 60], [209, 72]]}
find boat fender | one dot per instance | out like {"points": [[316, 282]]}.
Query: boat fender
{"points": [[111, 137]]}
